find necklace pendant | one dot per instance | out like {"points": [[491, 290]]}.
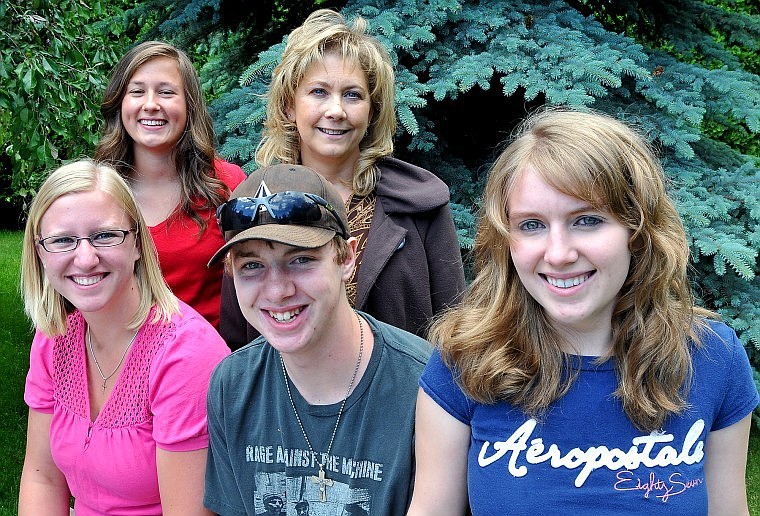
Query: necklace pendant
{"points": [[322, 479], [88, 343], [323, 482]]}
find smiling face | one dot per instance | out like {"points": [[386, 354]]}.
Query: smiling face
{"points": [[154, 109], [331, 109], [92, 279], [289, 294], [573, 259]]}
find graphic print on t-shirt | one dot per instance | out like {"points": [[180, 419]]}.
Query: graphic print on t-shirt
{"points": [[655, 450], [297, 494]]}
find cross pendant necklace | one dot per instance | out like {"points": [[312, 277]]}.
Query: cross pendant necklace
{"points": [[323, 482], [322, 479], [97, 364]]}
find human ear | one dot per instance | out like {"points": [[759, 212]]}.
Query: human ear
{"points": [[138, 247], [290, 113], [350, 261]]}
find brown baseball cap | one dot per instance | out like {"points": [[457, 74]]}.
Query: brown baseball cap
{"points": [[308, 213]]}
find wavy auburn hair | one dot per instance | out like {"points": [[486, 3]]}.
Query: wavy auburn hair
{"points": [[325, 32], [194, 153], [45, 306], [499, 338]]}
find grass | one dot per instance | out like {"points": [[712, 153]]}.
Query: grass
{"points": [[15, 338], [753, 472]]}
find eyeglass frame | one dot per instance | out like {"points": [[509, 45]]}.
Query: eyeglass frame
{"points": [[89, 238], [259, 202]]}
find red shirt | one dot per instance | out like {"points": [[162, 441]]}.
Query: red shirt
{"points": [[183, 253]]}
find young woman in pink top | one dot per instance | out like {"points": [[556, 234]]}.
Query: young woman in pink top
{"points": [[158, 134], [119, 367]]}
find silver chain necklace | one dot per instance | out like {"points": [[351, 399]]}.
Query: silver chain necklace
{"points": [[97, 364], [322, 480]]}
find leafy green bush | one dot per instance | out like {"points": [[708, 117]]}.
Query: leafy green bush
{"points": [[54, 62]]}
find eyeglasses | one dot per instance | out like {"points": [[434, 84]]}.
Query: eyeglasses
{"points": [[298, 208], [66, 243]]}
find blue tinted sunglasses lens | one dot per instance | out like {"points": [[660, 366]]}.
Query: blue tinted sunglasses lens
{"points": [[293, 208], [280, 208]]}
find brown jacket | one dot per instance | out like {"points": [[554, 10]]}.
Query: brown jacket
{"points": [[412, 265]]}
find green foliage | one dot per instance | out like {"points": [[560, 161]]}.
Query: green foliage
{"points": [[219, 35], [55, 57]]}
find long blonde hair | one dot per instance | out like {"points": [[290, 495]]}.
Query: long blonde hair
{"points": [[500, 340], [325, 32], [46, 307]]}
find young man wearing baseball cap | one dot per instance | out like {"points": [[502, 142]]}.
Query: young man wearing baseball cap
{"points": [[320, 408]]}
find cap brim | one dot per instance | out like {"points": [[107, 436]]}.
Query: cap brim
{"points": [[308, 237]]}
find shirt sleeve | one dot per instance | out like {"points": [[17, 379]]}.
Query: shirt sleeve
{"points": [[38, 392], [741, 393], [439, 383], [231, 174], [179, 383]]}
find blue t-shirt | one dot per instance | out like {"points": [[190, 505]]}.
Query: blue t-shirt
{"points": [[585, 456]]}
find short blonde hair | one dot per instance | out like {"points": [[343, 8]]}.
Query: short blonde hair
{"points": [[325, 32], [46, 307]]}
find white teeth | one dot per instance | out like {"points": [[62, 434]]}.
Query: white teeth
{"points": [[567, 283], [334, 131], [285, 316], [87, 280], [153, 122]]}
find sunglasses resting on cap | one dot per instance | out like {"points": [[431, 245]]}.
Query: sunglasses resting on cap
{"points": [[297, 208]]}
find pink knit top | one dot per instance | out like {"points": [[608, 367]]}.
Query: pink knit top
{"points": [[159, 400]]}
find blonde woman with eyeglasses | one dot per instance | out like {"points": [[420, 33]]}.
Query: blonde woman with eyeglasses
{"points": [[119, 367]]}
